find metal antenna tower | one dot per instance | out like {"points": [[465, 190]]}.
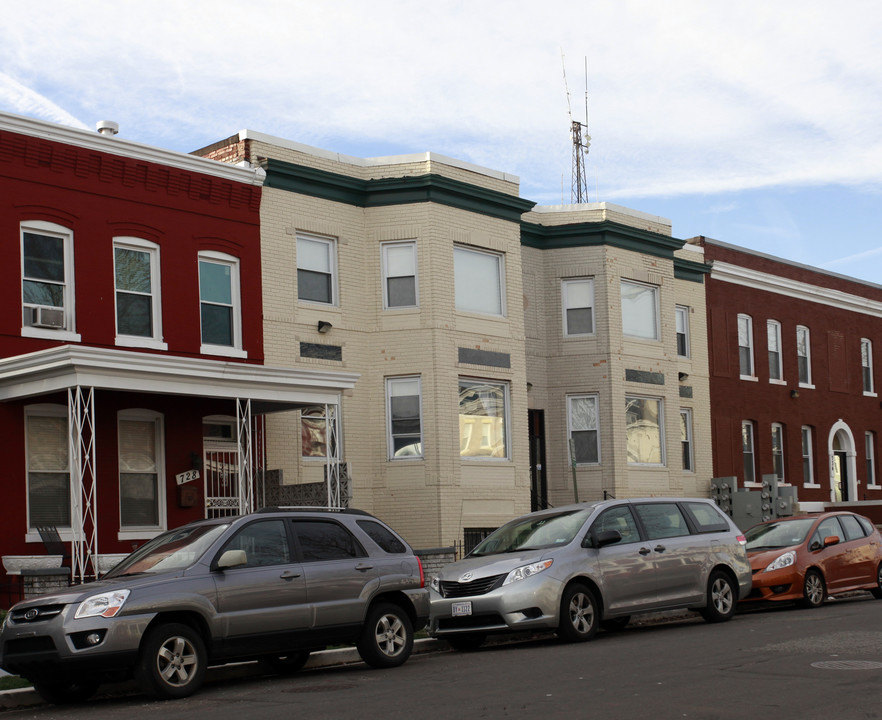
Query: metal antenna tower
{"points": [[581, 142]]}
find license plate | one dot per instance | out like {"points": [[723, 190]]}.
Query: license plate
{"points": [[462, 608]]}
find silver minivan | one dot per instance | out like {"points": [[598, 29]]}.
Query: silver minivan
{"points": [[576, 568]]}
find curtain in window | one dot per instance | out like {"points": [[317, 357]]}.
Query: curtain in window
{"points": [[138, 473], [48, 471]]}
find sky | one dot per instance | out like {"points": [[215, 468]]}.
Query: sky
{"points": [[758, 123]]}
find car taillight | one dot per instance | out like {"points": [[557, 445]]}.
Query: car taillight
{"points": [[741, 539], [422, 575]]}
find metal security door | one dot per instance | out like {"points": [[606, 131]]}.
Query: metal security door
{"points": [[221, 469]]}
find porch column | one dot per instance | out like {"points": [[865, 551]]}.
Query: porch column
{"points": [[246, 464], [81, 443], [332, 461]]}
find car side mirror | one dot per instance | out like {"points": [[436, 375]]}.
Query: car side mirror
{"points": [[831, 540], [606, 537], [231, 559]]}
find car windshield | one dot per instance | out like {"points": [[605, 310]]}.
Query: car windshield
{"points": [[770, 536], [532, 533], [174, 550]]}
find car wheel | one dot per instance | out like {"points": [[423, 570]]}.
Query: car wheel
{"points": [[877, 591], [615, 624], [466, 641], [172, 662], [65, 692], [285, 664], [814, 591], [387, 638], [579, 614], [721, 598]]}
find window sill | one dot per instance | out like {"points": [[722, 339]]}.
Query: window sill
{"points": [[812, 485], [752, 485], [223, 351], [749, 378], [806, 386], [870, 394], [772, 381], [47, 334], [137, 342]]}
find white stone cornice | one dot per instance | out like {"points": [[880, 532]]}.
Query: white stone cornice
{"points": [[127, 148], [795, 289]]}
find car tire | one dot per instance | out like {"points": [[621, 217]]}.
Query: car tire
{"points": [[466, 642], [579, 614], [877, 591], [287, 664], [615, 624], [814, 590], [387, 637], [721, 598], [65, 692], [172, 662]]}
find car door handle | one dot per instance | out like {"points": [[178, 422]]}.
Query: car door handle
{"points": [[364, 566], [659, 548], [289, 575], [644, 551]]}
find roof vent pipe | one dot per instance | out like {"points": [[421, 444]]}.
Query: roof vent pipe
{"points": [[107, 127]]}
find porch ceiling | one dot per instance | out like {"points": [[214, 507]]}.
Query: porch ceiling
{"points": [[67, 366]]}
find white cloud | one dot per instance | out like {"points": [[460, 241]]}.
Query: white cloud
{"points": [[22, 100]]}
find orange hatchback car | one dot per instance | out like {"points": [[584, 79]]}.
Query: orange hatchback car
{"points": [[806, 558]]}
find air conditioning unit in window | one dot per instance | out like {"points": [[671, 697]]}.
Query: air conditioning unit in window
{"points": [[47, 317]]}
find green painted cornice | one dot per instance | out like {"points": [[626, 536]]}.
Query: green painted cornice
{"points": [[380, 192], [690, 270]]}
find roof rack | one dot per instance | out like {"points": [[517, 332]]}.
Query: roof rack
{"points": [[313, 508]]}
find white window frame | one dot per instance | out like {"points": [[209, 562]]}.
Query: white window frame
{"points": [[867, 368], [776, 359], [565, 286], [384, 250], [45, 410], [655, 310], [506, 399], [661, 430], [152, 250], [681, 315], [746, 321], [808, 457], [235, 350], [751, 432], [571, 399], [804, 337], [322, 414], [686, 421], [68, 333], [462, 252], [780, 454], [135, 532], [391, 382], [870, 450], [331, 244]]}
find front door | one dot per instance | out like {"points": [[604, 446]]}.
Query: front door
{"points": [[538, 480], [840, 476], [220, 463]]}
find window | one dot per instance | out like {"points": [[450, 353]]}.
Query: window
{"points": [[686, 439], [322, 540], [219, 304], [578, 306], [265, 543], [773, 333], [381, 535], [483, 417], [405, 439], [619, 519], [867, 365], [682, 317], [48, 466], [136, 279], [870, 443], [400, 275], [141, 476], [804, 355], [314, 432], [316, 269], [706, 518], [479, 281], [778, 450], [644, 430], [745, 346], [748, 452], [808, 469], [662, 520], [853, 529], [47, 280], [639, 310], [582, 422]]}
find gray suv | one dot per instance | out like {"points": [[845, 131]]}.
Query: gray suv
{"points": [[576, 568], [274, 585]]}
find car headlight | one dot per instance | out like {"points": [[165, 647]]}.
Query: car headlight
{"points": [[526, 571], [782, 561], [106, 604], [435, 584]]}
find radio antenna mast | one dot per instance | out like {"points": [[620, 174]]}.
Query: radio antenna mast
{"points": [[581, 142]]}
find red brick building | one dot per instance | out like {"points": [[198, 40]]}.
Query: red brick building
{"points": [[793, 380]]}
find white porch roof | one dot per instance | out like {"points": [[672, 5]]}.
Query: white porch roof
{"points": [[68, 366]]}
